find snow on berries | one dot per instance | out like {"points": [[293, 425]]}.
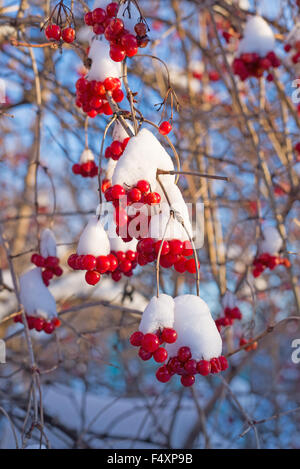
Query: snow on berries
{"points": [[47, 260], [268, 256], [86, 166], [92, 251], [255, 54], [38, 302], [193, 344]]}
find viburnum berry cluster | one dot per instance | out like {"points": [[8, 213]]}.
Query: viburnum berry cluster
{"points": [[174, 252], [252, 65], [122, 42], [116, 148], [186, 367], [50, 266], [150, 344], [266, 260], [230, 315], [91, 95], [89, 169], [39, 324]]}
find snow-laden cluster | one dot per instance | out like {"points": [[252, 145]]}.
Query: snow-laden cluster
{"points": [[102, 65], [35, 296], [158, 314], [86, 155], [195, 329], [258, 37]]}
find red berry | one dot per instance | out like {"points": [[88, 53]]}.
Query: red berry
{"points": [[102, 264], [168, 260], [190, 266], [118, 96], [117, 53], [223, 362], [31, 322], [88, 262], [47, 275], [48, 327], [88, 19], [163, 375], [92, 277], [113, 262], [39, 324], [117, 192], [72, 260], [110, 84], [165, 128], [175, 365], [143, 186], [152, 198], [169, 335], [204, 367], [78, 263], [176, 246], [117, 149], [180, 265], [215, 365], [51, 262], [76, 168], [140, 29], [56, 322], [187, 249], [131, 255], [160, 355], [125, 266], [287, 47], [58, 271], [53, 32], [144, 355], [68, 35], [135, 195], [136, 338], [165, 247], [99, 15], [98, 29], [112, 9], [191, 367], [150, 342], [184, 354], [146, 246], [116, 26], [187, 380]]}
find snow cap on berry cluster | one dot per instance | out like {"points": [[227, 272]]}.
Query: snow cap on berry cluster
{"points": [[35, 296], [195, 328], [130, 16], [229, 300], [93, 239], [86, 155], [48, 243], [158, 314], [258, 37], [272, 241], [162, 227], [119, 133], [141, 159], [102, 65]]}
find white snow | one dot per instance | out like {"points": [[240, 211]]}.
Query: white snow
{"points": [[158, 314], [48, 243], [117, 244], [110, 168], [272, 240], [86, 155], [35, 296], [258, 37], [195, 328], [94, 239], [119, 133], [102, 65], [130, 18], [174, 229], [142, 157]]}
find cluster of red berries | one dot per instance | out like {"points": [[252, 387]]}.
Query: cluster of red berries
{"points": [[89, 169], [230, 315], [265, 261], [122, 42], [39, 324], [116, 149], [91, 95], [50, 264], [251, 347], [252, 65], [213, 75], [165, 128], [173, 253], [115, 263], [296, 51], [150, 343], [54, 33]]}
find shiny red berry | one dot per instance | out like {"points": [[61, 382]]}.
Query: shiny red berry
{"points": [[204, 367], [92, 277], [99, 15], [88, 262], [102, 264], [165, 128], [53, 31], [150, 342], [191, 367], [48, 327], [215, 365], [143, 186], [144, 354], [187, 380], [136, 338], [88, 18], [68, 35], [184, 354], [117, 53], [160, 355], [113, 262], [169, 335], [112, 9], [163, 375]]}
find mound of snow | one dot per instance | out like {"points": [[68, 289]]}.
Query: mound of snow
{"points": [[258, 37], [174, 229], [195, 328], [142, 157], [86, 155], [48, 243], [158, 314], [272, 240], [119, 133], [35, 296], [102, 65], [110, 168], [94, 239]]}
